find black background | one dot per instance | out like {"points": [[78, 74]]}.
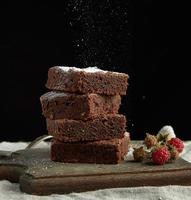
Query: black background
{"points": [[36, 37]]}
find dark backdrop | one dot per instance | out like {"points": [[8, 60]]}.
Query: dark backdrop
{"points": [[150, 46]]}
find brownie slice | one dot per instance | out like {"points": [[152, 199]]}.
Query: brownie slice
{"points": [[87, 80], [100, 128], [102, 152], [57, 105]]}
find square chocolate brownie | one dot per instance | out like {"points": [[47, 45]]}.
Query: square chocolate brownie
{"points": [[58, 105], [100, 128], [87, 80], [102, 152]]}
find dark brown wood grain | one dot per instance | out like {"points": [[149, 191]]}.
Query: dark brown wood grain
{"points": [[37, 174]]}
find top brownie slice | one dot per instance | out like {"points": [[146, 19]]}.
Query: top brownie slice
{"points": [[87, 80]]}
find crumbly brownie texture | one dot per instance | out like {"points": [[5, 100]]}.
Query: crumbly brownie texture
{"points": [[102, 152], [87, 80], [56, 105], [100, 128]]}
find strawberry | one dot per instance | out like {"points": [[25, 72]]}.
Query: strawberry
{"points": [[160, 155], [177, 143]]}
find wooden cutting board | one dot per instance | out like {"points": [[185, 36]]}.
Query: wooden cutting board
{"points": [[37, 174]]}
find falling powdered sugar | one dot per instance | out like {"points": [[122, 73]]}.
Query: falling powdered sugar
{"points": [[100, 32]]}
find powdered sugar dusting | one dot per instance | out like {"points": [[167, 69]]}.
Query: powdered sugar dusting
{"points": [[88, 69], [53, 94]]}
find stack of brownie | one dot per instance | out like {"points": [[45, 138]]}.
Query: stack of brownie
{"points": [[82, 115]]}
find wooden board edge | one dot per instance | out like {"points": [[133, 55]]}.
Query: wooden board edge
{"points": [[11, 172], [64, 185]]}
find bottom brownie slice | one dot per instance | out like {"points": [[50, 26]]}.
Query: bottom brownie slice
{"points": [[102, 152]]}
